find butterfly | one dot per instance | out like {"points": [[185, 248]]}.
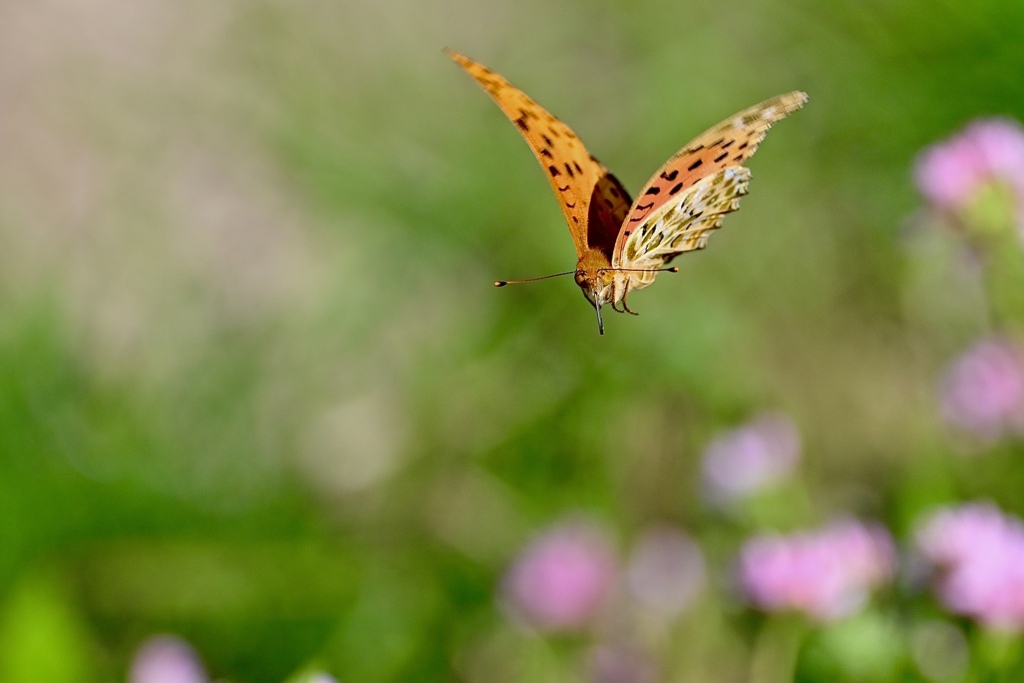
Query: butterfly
{"points": [[621, 245]]}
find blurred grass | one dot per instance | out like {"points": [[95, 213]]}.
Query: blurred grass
{"points": [[255, 389]]}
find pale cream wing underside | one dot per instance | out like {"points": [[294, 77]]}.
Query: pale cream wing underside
{"points": [[683, 224]]}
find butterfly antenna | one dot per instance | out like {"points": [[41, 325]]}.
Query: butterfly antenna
{"points": [[502, 283], [673, 269], [600, 323]]}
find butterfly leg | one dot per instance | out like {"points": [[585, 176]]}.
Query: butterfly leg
{"points": [[617, 310], [624, 305]]}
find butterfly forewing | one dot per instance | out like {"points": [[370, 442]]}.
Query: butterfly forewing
{"points": [[594, 202], [724, 146]]}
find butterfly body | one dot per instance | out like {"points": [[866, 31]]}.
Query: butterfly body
{"points": [[621, 244]]}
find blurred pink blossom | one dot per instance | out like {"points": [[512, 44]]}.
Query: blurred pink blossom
{"points": [[665, 571], [983, 390], [167, 659], [949, 173], [826, 574], [563, 578], [620, 664], [979, 554], [741, 461]]}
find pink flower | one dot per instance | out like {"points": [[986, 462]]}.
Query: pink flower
{"points": [[167, 659], [665, 571], [826, 574], [983, 391], [979, 554], [563, 578], [620, 664], [741, 461], [949, 173]]}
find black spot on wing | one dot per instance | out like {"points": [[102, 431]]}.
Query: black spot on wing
{"points": [[695, 165]]}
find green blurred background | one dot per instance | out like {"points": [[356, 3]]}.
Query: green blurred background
{"points": [[256, 388]]}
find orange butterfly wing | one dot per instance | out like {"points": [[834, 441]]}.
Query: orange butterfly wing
{"points": [[726, 145], [593, 201]]}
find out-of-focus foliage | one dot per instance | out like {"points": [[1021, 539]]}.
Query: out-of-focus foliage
{"points": [[258, 395]]}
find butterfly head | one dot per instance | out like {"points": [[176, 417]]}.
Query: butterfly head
{"points": [[596, 278], [598, 286]]}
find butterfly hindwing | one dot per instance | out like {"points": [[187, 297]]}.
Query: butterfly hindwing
{"points": [[726, 145], [593, 202], [685, 223]]}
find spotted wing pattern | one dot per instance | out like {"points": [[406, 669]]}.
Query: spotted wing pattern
{"points": [[684, 224], [724, 146], [593, 201]]}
